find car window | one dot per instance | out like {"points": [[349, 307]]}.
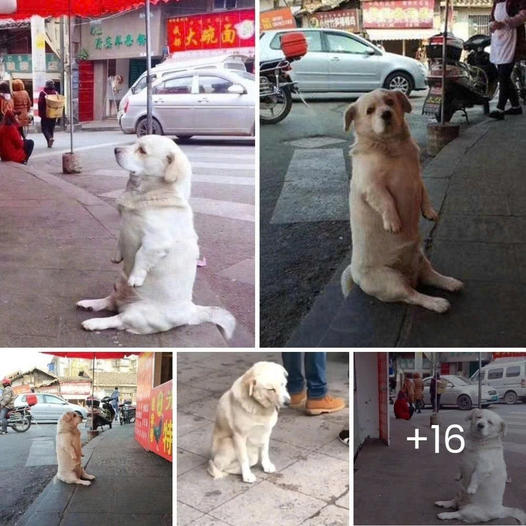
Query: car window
{"points": [[313, 40], [141, 83], [513, 371], [427, 381], [345, 44], [493, 374], [175, 86], [449, 385], [462, 380], [48, 399], [210, 84]]}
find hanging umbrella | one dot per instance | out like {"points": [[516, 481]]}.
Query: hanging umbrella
{"points": [[91, 355]]}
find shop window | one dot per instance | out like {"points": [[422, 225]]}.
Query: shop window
{"points": [[224, 4], [112, 67], [478, 25], [163, 368]]}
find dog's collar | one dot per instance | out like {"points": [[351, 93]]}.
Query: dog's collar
{"points": [[132, 200]]}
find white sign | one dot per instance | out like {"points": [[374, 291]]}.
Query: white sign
{"points": [[7, 7]]}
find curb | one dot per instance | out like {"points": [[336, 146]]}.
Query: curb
{"points": [[377, 324]]}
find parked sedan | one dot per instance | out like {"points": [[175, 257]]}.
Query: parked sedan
{"points": [[49, 407], [198, 102], [461, 392], [338, 61]]}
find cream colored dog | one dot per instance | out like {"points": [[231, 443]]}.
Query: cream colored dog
{"points": [[157, 245], [482, 473], [245, 416], [387, 197], [69, 452]]}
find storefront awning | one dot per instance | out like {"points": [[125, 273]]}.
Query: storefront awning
{"points": [[400, 34]]}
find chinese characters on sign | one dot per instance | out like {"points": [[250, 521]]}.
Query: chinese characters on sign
{"points": [[217, 31], [161, 430], [345, 19], [398, 14], [102, 41], [144, 388], [24, 64], [276, 19]]}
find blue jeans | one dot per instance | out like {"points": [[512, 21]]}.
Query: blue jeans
{"points": [[3, 418], [315, 373]]}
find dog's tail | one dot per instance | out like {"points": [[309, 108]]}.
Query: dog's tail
{"points": [[346, 281], [219, 316], [214, 471], [516, 513]]}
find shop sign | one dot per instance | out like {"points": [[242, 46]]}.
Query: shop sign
{"points": [[23, 63], [344, 19], [232, 29], [144, 389], [398, 14], [276, 19], [115, 39], [508, 355], [160, 437]]}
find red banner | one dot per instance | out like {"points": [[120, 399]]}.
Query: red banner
{"points": [[161, 420], [276, 19], [144, 391], [508, 355], [233, 29], [398, 14], [344, 19]]}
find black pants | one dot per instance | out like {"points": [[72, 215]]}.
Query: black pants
{"points": [[418, 405], [28, 147], [507, 90], [437, 408], [48, 127]]}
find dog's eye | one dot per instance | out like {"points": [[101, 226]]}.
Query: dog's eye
{"points": [[141, 150], [389, 102], [490, 422], [370, 109]]}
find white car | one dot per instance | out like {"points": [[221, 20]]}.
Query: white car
{"points": [[338, 61], [49, 407], [196, 102]]}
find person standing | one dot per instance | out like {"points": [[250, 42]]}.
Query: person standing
{"points": [[48, 125], [115, 401], [316, 397], [7, 402], [508, 44], [12, 146], [408, 388], [22, 103], [437, 387], [419, 392]]}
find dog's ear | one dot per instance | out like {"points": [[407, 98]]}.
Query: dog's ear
{"points": [[348, 117], [68, 417], [172, 169], [250, 382], [404, 101]]}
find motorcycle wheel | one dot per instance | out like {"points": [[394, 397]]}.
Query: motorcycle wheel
{"points": [[22, 425], [282, 101]]}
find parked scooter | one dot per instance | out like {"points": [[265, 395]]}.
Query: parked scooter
{"points": [[275, 84], [126, 412], [19, 419], [103, 415], [467, 83]]}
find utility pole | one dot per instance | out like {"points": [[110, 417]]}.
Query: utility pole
{"points": [[148, 71]]}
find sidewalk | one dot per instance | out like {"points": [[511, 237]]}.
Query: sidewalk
{"points": [[399, 485], [477, 183], [310, 486], [56, 242], [133, 488]]}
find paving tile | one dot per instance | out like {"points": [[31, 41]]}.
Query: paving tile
{"points": [[187, 461], [186, 514], [329, 516]]}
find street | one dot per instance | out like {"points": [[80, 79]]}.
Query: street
{"points": [[304, 224]]}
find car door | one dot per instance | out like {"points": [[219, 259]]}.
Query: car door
{"points": [[449, 397], [311, 70], [54, 407], [353, 65], [173, 103]]}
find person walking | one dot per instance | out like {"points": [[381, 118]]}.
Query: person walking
{"points": [[47, 124], [7, 402], [115, 401], [12, 146], [316, 397], [508, 44], [419, 392], [6, 99], [22, 103]]}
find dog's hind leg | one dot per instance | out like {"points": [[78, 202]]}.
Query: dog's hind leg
{"points": [[427, 275], [84, 475], [106, 303], [217, 315], [447, 503], [449, 515], [100, 324], [505, 512]]}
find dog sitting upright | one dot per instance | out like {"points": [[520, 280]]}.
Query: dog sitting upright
{"points": [[387, 196]]}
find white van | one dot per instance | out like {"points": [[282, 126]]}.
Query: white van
{"points": [[507, 376]]}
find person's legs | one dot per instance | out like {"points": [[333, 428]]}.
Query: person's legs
{"points": [[29, 144], [315, 372], [3, 418], [295, 380], [438, 402], [44, 123], [52, 123], [507, 92]]}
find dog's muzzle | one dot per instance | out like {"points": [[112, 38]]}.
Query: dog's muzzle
{"points": [[386, 116]]}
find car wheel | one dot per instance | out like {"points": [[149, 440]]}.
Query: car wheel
{"points": [[184, 138], [400, 81], [510, 397], [464, 402], [142, 127]]}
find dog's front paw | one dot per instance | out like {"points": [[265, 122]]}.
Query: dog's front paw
{"points": [[268, 467], [89, 477], [392, 224], [430, 213], [249, 477], [136, 279], [84, 482], [472, 489]]}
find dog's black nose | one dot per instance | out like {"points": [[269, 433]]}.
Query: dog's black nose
{"points": [[480, 425], [386, 115], [117, 150]]}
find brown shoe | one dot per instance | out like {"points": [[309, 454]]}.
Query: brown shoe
{"points": [[50, 144], [298, 399], [327, 404]]}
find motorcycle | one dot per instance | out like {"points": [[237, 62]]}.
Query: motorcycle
{"points": [[126, 412], [467, 83], [518, 77], [19, 419], [275, 83], [102, 415]]}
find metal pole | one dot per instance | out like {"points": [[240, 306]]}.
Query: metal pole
{"points": [[70, 79], [480, 380], [444, 47], [62, 58], [92, 391], [148, 70]]}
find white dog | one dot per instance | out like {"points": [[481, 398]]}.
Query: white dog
{"points": [[158, 246], [69, 452], [482, 474], [387, 197], [245, 416]]}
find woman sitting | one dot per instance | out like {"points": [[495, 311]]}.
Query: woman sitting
{"points": [[12, 146], [402, 409]]}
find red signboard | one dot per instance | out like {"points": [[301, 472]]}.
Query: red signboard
{"points": [[144, 391], [161, 420], [276, 19], [233, 29], [344, 19], [398, 14], [508, 355]]}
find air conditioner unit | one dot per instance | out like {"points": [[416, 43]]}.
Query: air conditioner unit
{"points": [[7, 7]]}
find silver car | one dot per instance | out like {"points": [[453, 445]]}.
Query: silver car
{"points": [[461, 392], [49, 407], [198, 102], [338, 61]]}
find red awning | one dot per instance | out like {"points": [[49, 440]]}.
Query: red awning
{"points": [[90, 355], [84, 8]]}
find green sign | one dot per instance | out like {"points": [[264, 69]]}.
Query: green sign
{"points": [[23, 63], [117, 41]]}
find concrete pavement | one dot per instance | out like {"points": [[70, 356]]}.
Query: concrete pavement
{"points": [[310, 486], [477, 184], [133, 488], [399, 485]]}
